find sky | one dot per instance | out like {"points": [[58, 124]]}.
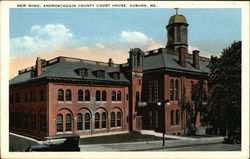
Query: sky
{"points": [[101, 33]]}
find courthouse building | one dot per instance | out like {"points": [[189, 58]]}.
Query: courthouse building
{"points": [[70, 95]]}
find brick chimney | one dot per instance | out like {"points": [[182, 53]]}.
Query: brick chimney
{"points": [[110, 63], [38, 67], [196, 59], [182, 56]]}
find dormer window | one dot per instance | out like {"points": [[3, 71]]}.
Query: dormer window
{"points": [[115, 75], [99, 73], [83, 72]]}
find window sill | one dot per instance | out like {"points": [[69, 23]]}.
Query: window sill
{"points": [[119, 102], [100, 129], [60, 102], [87, 102], [115, 128], [69, 102], [80, 101], [113, 102], [68, 132]]}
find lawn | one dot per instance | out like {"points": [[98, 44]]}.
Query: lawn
{"points": [[120, 138], [19, 144]]}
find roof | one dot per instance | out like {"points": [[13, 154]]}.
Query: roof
{"points": [[177, 19], [65, 67], [61, 136], [169, 60]]}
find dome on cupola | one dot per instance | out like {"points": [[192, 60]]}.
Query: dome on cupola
{"points": [[177, 19]]}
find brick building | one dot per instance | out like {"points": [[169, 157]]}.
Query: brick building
{"points": [[69, 95]]}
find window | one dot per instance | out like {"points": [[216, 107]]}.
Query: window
{"points": [[33, 120], [41, 95], [83, 72], [104, 118], [87, 121], [139, 82], [176, 89], [155, 91], [178, 31], [68, 122], [25, 120], [80, 95], [97, 120], [17, 97], [59, 123], [177, 116], [12, 98], [137, 96], [172, 117], [32, 96], [150, 118], [100, 74], [119, 96], [119, 118], [26, 97], [104, 98], [43, 123], [87, 95], [150, 91], [116, 75], [79, 122], [113, 96], [192, 90], [112, 119], [60, 95], [138, 59], [68, 95], [97, 96], [171, 89]]}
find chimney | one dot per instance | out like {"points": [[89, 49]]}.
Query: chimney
{"points": [[38, 67], [110, 63], [196, 59], [182, 56]]}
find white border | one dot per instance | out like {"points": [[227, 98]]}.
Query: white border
{"points": [[244, 153]]}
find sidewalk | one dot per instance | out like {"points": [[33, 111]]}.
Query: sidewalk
{"points": [[152, 145]]}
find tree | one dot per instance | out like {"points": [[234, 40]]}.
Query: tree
{"points": [[197, 106], [224, 106]]}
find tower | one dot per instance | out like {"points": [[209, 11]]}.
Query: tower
{"points": [[177, 30]]}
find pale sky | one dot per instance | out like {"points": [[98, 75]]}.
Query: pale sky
{"points": [[98, 34]]}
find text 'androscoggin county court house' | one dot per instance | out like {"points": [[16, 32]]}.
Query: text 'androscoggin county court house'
{"points": [[69, 95]]}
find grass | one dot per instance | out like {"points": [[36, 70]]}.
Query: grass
{"points": [[120, 138], [19, 144]]}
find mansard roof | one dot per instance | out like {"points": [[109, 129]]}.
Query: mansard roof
{"points": [[166, 59], [65, 68]]}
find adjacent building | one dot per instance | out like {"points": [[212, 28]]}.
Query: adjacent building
{"points": [[70, 95]]}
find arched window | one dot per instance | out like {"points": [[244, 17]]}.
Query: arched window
{"points": [[119, 119], [176, 89], [119, 96], [113, 96], [97, 96], [137, 96], [177, 116], [172, 117], [79, 122], [171, 89], [59, 123], [112, 119], [87, 121], [104, 118], [60, 95], [87, 95], [80, 95], [68, 122], [68, 95], [97, 120], [104, 98]]}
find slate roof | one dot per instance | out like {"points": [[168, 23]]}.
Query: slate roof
{"points": [[169, 60], [64, 69]]}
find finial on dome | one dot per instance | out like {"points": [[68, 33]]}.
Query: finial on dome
{"points": [[176, 11]]}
